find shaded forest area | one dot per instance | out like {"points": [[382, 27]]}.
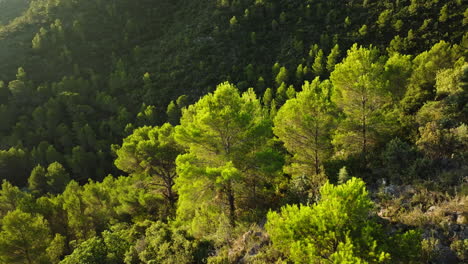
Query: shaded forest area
{"points": [[243, 131]]}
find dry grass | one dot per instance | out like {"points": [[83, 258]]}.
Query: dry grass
{"points": [[422, 207]]}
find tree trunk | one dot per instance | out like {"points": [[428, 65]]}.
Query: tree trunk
{"points": [[232, 205], [364, 132], [28, 257], [364, 137], [317, 167], [170, 193]]}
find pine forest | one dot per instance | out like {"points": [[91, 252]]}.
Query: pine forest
{"points": [[233, 131]]}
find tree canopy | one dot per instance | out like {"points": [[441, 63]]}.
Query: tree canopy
{"points": [[228, 131]]}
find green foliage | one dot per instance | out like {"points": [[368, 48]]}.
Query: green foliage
{"points": [[14, 166], [223, 132], [163, 244], [318, 66], [233, 21], [304, 125], [145, 55], [80, 76], [398, 69], [444, 13], [23, 238], [79, 225], [109, 248], [336, 228], [267, 97], [406, 247], [426, 66], [361, 93], [363, 30], [152, 151], [57, 178], [281, 95], [437, 142], [397, 159], [37, 181], [448, 81], [11, 198], [92, 251], [460, 247], [173, 113], [11, 9], [332, 58], [384, 17], [56, 248], [282, 76], [343, 175]]}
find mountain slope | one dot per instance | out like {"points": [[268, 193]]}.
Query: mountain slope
{"points": [[103, 64]]}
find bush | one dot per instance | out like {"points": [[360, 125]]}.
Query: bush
{"points": [[337, 228], [460, 247], [163, 244], [397, 159]]}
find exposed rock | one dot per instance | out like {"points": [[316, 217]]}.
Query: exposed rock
{"points": [[445, 256], [444, 218], [392, 190], [431, 209], [454, 228], [464, 234], [383, 213], [462, 218], [452, 216], [248, 245]]}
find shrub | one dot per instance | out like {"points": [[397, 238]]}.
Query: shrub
{"points": [[335, 228], [338, 228]]}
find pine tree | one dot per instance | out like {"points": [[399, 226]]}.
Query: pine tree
{"points": [[57, 178], [305, 124], [282, 76], [152, 151], [318, 66], [173, 113], [332, 58], [361, 94], [23, 238], [38, 181], [336, 228], [224, 132]]}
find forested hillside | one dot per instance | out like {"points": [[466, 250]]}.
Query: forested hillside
{"points": [[233, 131], [12, 9]]}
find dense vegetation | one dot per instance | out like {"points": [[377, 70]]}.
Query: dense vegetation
{"points": [[226, 131]]}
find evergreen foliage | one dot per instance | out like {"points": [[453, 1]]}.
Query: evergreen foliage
{"points": [[165, 131], [226, 135], [338, 228], [23, 238]]}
